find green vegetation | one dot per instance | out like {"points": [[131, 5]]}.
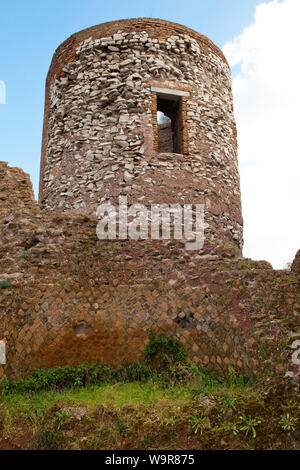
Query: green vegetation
{"points": [[5, 283], [221, 300], [25, 255], [165, 349], [165, 363], [60, 417], [75, 376], [249, 424], [198, 424], [288, 422], [163, 402]]}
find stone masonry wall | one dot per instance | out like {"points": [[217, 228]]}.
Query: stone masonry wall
{"points": [[74, 298], [165, 140], [296, 263], [100, 129]]}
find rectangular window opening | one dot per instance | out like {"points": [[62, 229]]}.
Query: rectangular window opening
{"points": [[169, 127], [170, 121]]}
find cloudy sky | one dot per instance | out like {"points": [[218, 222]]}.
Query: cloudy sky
{"points": [[261, 41], [266, 78]]}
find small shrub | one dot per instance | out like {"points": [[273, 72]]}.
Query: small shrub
{"points": [[292, 405], [5, 283], [138, 371], [288, 422], [165, 349], [228, 402], [25, 255], [198, 424], [232, 428], [249, 424], [236, 381], [60, 417]]}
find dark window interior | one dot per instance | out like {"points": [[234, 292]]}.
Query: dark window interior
{"points": [[169, 130]]}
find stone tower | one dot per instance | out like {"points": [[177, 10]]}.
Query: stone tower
{"points": [[102, 137]]}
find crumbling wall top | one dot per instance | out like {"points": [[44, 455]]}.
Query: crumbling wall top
{"points": [[156, 28]]}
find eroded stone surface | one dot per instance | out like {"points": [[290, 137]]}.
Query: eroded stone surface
{"points": [[296, 263], [74, 298], [100, 129]]}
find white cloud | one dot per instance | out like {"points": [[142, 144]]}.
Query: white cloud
{"points": [[266, 92]]}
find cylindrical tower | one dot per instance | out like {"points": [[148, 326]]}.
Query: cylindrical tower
{"points": [[102, 137]]}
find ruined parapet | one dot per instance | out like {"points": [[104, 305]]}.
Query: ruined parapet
{"points": [[296, 263], [16, 192], [101, 138]]}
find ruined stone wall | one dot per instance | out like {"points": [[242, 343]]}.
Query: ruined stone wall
{"points": [[295, 267], [69, 324], [74, 298], [100, 129], [165, 137]]}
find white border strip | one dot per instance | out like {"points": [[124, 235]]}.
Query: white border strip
{"points": [[169, 91]]}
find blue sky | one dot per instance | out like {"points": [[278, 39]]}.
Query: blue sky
{"points": [[31, 30]]}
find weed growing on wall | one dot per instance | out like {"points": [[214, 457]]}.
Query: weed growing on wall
{"points": [[165, 362]]}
